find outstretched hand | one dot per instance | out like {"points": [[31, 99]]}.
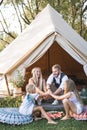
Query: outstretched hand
{"points": [[47, 95], [49, 92]]}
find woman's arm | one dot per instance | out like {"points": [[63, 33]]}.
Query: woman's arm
{"points": [[44, 85], [31, 81], [67, 95], [39, 91]]}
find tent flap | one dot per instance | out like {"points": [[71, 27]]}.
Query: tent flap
{"points": [[85, 69]]}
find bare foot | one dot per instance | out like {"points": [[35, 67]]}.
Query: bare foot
{"points": [[65, 118], [37, 118], [52, 122], [71, 114]]}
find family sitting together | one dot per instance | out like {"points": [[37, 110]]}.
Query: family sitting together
{"points": [[37, 89]]}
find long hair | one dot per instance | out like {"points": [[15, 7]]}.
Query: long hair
{"points": [[71, 87], [38, 81]]}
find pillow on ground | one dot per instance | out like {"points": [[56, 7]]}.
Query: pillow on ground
{"points": [[55, 114], [13, 117], [82, 116]]}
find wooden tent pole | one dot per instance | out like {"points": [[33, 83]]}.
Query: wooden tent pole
{"points": [[7, 85]]}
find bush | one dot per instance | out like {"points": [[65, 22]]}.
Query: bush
{"points": [[10, 102], [85, 101]]}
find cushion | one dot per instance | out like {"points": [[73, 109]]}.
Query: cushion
{"points": [[82, 116], [55, 114], [12, 116]]}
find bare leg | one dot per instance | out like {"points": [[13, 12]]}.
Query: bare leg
{"points": [[68, 106], [40, 108]]}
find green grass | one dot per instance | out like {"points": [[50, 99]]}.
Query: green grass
{"points": [[70, 124]]}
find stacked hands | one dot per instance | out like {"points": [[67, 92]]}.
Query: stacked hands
{"points": [[48, 95]]}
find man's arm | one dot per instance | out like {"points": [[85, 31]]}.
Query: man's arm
{"points": [[49, 81], [59, 90], [48, 87]]}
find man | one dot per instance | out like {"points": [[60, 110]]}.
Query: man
{"points": [[57, 79]]}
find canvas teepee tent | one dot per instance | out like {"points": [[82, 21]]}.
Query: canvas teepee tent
{"points": [[48, 30]]}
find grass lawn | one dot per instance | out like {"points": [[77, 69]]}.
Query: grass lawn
{"points": [[70, 124]]}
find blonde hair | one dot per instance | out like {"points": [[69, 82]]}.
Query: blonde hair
{"points": [[71, 87], [38, 82], [57, 66], [30, 88]]}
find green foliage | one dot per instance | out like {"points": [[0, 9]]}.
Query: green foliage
{"points": [[18, 81], [10, 1], [10, 102], [73, 11], [2, 45], [85, 101]]}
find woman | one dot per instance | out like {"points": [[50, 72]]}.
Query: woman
{"points": [[38, 80], [71, 99]]}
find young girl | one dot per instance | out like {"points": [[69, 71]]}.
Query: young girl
{"points": [[71, 99], [28, 106]]}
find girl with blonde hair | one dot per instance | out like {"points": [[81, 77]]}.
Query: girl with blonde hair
{"points": [[71, 99], [28, 106]]}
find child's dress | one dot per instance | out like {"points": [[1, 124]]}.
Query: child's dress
{"points": [[78, 105], [28, 104]]}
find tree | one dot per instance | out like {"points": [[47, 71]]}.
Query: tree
{"points": [[1, 1], [73, 11]]}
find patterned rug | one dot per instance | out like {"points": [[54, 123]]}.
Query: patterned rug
{"points": [[12, 116]]}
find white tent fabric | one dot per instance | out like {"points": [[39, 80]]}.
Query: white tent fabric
{"points": [[71, 49], [38, 53], [36, 39]]}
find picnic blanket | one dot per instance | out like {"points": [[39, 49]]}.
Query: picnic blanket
{"points": [[82, 116], [13, 117], [55, 114]]}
